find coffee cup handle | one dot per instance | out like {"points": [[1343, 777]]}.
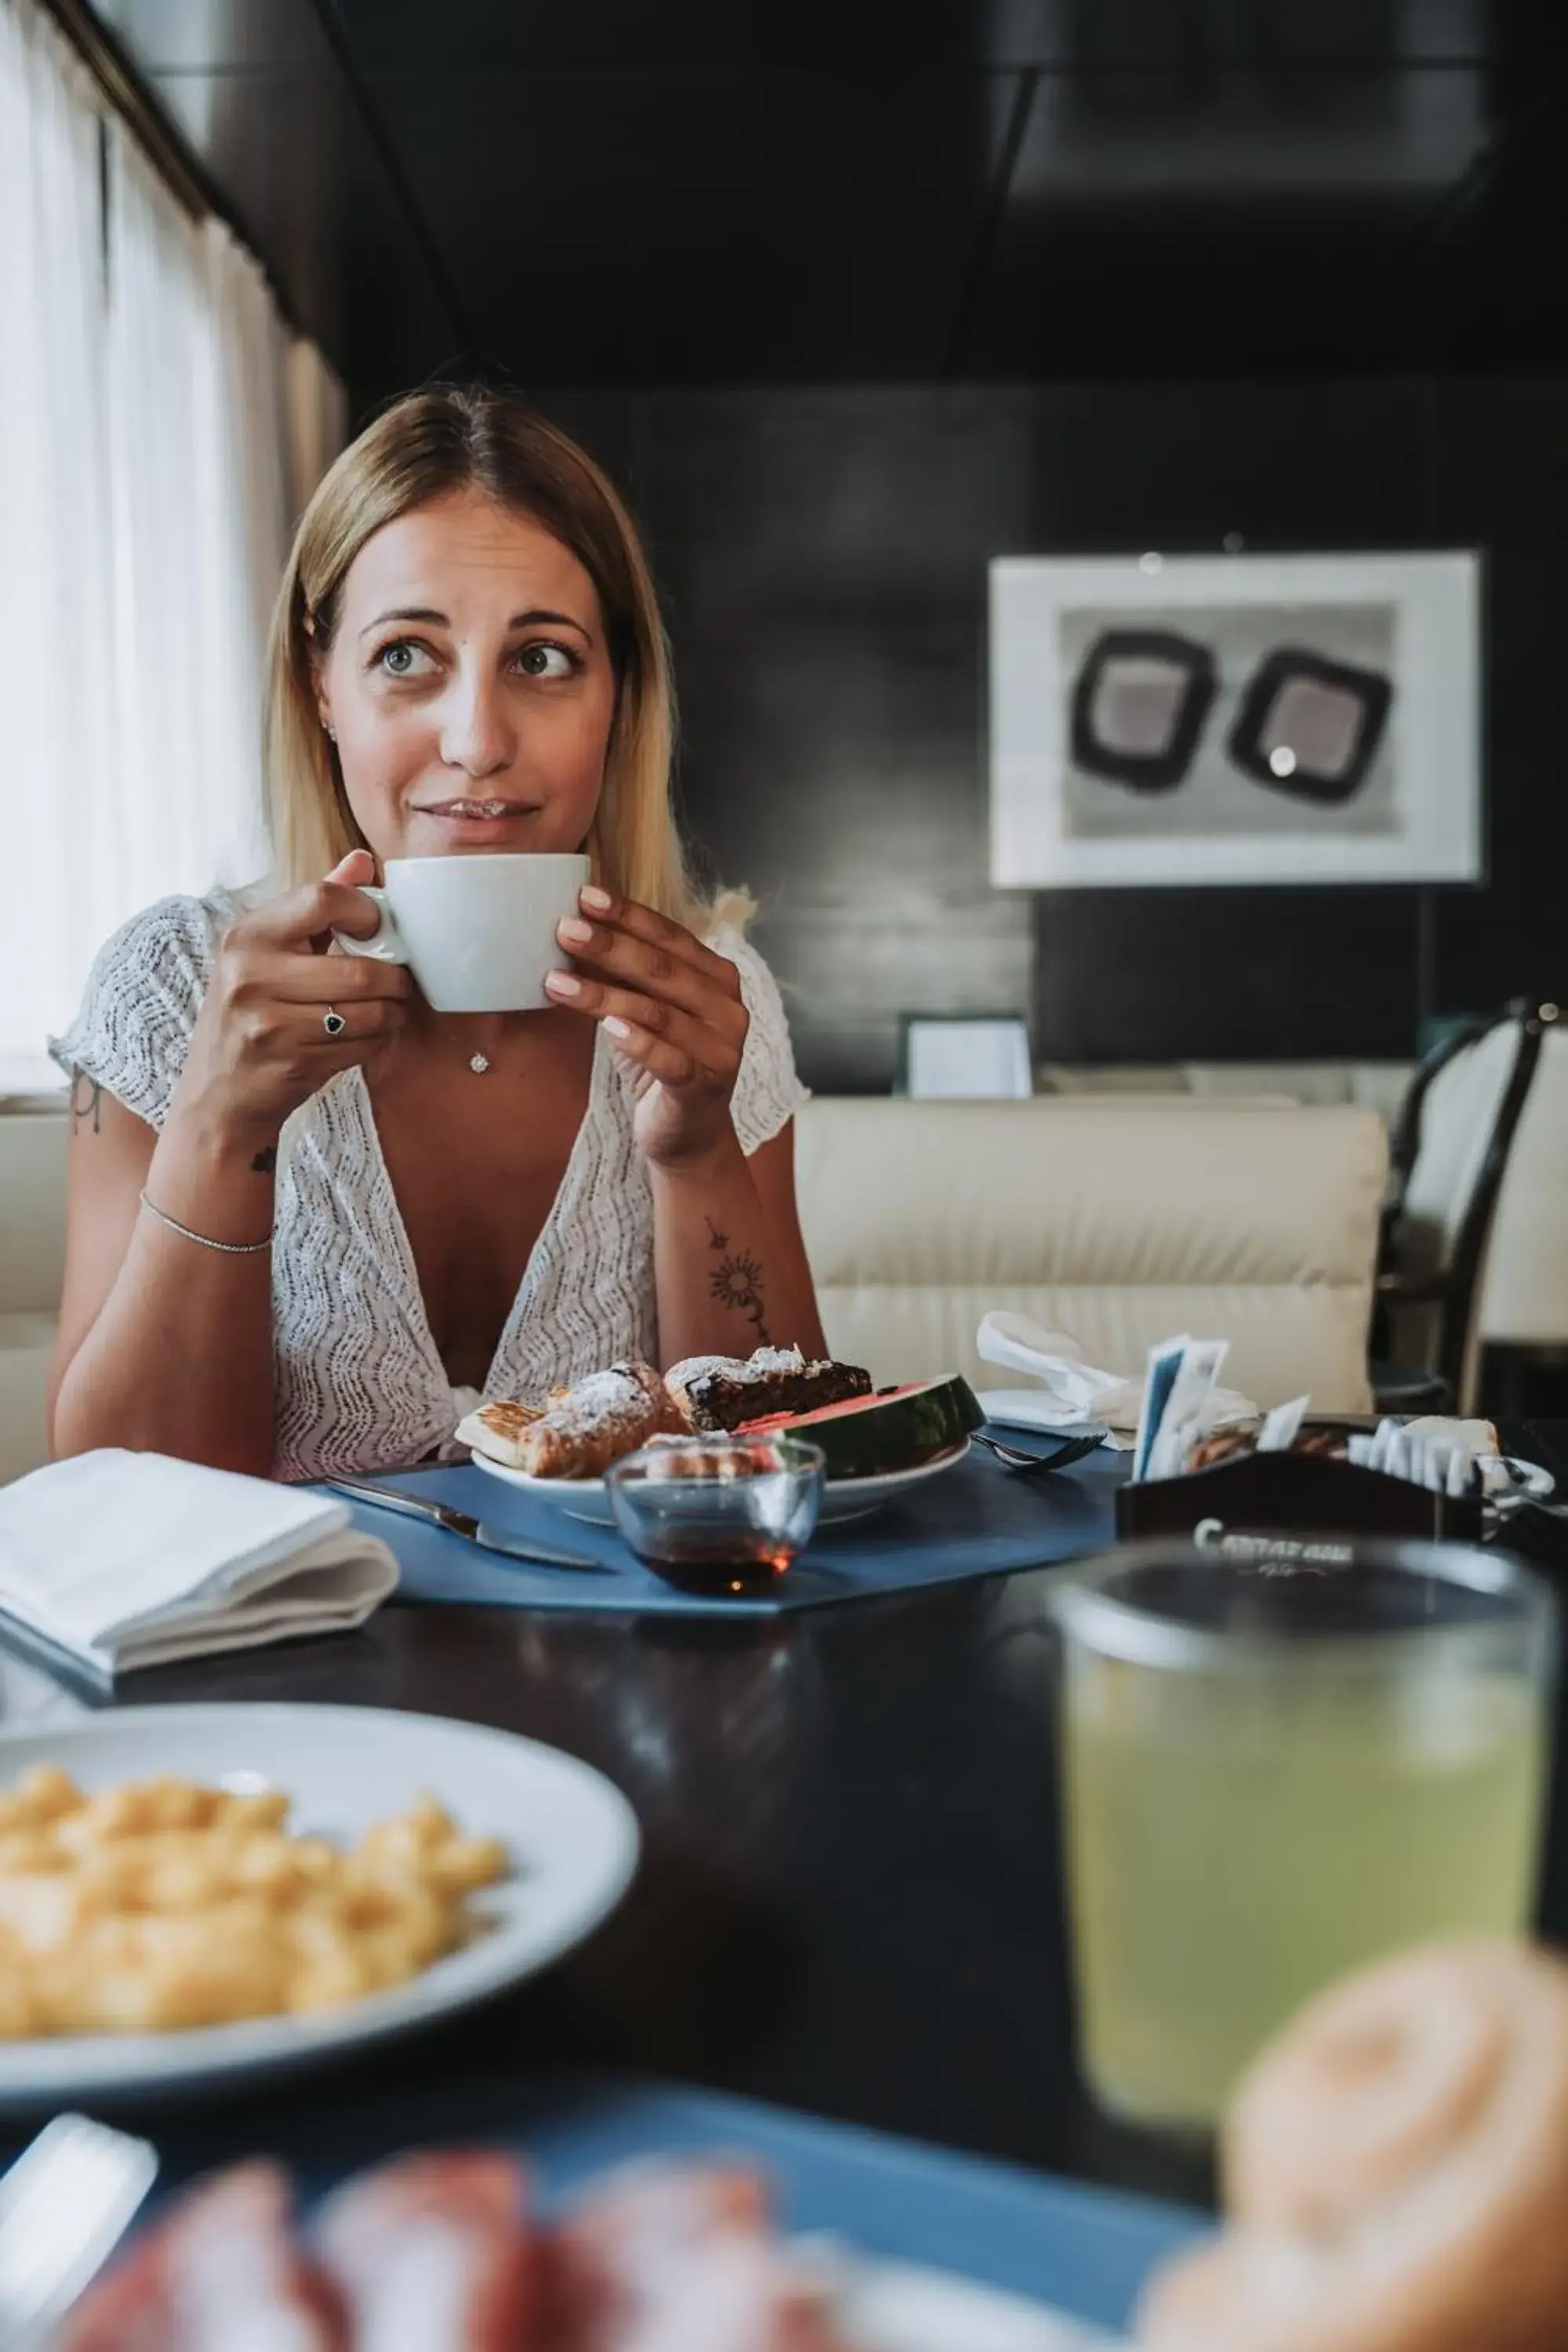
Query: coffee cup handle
{"points": [[383, 945]]}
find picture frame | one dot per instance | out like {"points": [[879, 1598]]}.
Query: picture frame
{"points": [[1165, 720], [975, 1056]]}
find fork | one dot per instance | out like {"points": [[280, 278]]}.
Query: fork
{"points": [[65, 2205], [1072, 1449]]}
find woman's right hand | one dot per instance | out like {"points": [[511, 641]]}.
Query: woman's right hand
{"points": [[259, 1048]]}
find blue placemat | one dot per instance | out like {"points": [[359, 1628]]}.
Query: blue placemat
{"points": [[1085, 2251], [975, 1520]]}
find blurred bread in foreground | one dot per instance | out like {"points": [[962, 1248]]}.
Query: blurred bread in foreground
{"points": [[1396, 2170]]}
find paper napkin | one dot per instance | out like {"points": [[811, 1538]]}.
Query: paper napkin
{"points": [[1069, 1391], [129, 1559]]}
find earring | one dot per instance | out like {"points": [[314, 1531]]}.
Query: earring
{"points": [[331, 728]]}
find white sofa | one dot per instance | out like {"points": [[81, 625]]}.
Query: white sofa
{"points": [[1118, 1219]]}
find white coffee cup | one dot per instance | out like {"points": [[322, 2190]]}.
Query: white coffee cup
{"points": [[478, 932]]}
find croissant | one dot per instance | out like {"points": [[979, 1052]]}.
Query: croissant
{"points": [[1396, 2170]]}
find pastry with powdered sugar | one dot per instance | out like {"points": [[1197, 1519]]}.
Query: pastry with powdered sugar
{"points": [[586, 1428]]}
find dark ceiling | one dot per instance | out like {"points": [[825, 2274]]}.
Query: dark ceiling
{"points": [[629, 192]]}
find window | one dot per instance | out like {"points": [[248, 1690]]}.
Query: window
{"points": [[148, 478]]}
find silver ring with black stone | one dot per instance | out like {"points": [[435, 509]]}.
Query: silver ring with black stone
{"points": [[333, 1021]]}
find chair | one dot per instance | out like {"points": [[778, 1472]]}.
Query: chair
{"points": [[1450, 1153]]}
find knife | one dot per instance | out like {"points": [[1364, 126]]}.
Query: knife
{"points": [[463, 1523]]}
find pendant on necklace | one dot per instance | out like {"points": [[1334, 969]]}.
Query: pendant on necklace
{"points": [[478, 1063]]}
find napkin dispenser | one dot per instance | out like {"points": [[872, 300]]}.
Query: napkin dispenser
{"points": [[1268, 1498]]}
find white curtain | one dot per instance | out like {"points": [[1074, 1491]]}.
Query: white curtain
{"points": [[58, 744], [158, 431]]}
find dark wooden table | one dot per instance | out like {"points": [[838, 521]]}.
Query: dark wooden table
{"points": [[850, 1900]]}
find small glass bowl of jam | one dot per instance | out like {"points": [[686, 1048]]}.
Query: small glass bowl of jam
{"points": [[720, 1516]]}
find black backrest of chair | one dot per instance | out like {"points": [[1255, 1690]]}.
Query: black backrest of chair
{"points": [[1457, 1304]]}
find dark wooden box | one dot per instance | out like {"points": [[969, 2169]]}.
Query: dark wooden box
{"points": [[1291, 1494]]}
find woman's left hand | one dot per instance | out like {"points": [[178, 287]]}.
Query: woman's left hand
{"points": [[674, 1012]]}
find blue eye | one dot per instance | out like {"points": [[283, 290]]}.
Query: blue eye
{"points": [[544, 660], [402, 659]]}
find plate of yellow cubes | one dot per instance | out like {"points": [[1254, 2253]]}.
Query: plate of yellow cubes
{"points": [[188, 1893]]}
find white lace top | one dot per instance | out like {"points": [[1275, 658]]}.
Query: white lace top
{"points": [[358, 1382]]}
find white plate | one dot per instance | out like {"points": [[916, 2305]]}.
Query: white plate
{"points": [[573, 1836], [842, 1498]]}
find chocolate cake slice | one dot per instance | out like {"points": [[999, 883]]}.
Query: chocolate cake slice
{"points": [[721, 1391]]}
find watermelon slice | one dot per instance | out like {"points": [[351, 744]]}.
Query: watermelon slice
{"points": [[890, 1430]]}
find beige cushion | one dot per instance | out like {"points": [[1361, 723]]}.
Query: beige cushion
{"points": [[32, 1209], [27, 1344], [32, 1261], [1120, 1225]]}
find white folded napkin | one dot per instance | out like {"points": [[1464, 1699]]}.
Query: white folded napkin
{"points": [[127, 1560], [1070, 1389]]}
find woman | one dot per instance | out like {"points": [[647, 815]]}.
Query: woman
{"points": [[305, 1252]]}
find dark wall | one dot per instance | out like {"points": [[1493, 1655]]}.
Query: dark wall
{"points": [[823, 555]]}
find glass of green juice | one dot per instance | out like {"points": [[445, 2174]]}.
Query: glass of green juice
{"points": [[1274, 1769]]}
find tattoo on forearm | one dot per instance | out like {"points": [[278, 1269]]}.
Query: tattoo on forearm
{"points": [[86, 1101], [266, 1160], [737, 1282]]}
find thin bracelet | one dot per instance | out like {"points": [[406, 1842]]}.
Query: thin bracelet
{"points": [[230, 1249]]}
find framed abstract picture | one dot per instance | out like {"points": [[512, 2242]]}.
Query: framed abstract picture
{"points": [[1234, 718], [982, 1054]]}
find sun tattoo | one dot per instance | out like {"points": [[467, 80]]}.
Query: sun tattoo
{"points": [[736, 1282]]}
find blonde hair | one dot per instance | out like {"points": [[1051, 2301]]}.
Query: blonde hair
{"points": [[427, 446]]}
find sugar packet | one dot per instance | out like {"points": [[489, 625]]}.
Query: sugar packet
{"points": [[1183, 1376]]}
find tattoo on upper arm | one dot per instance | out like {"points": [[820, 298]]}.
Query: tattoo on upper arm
{"points": [[266, 1160], [737, 1282], [86, 1101]]}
